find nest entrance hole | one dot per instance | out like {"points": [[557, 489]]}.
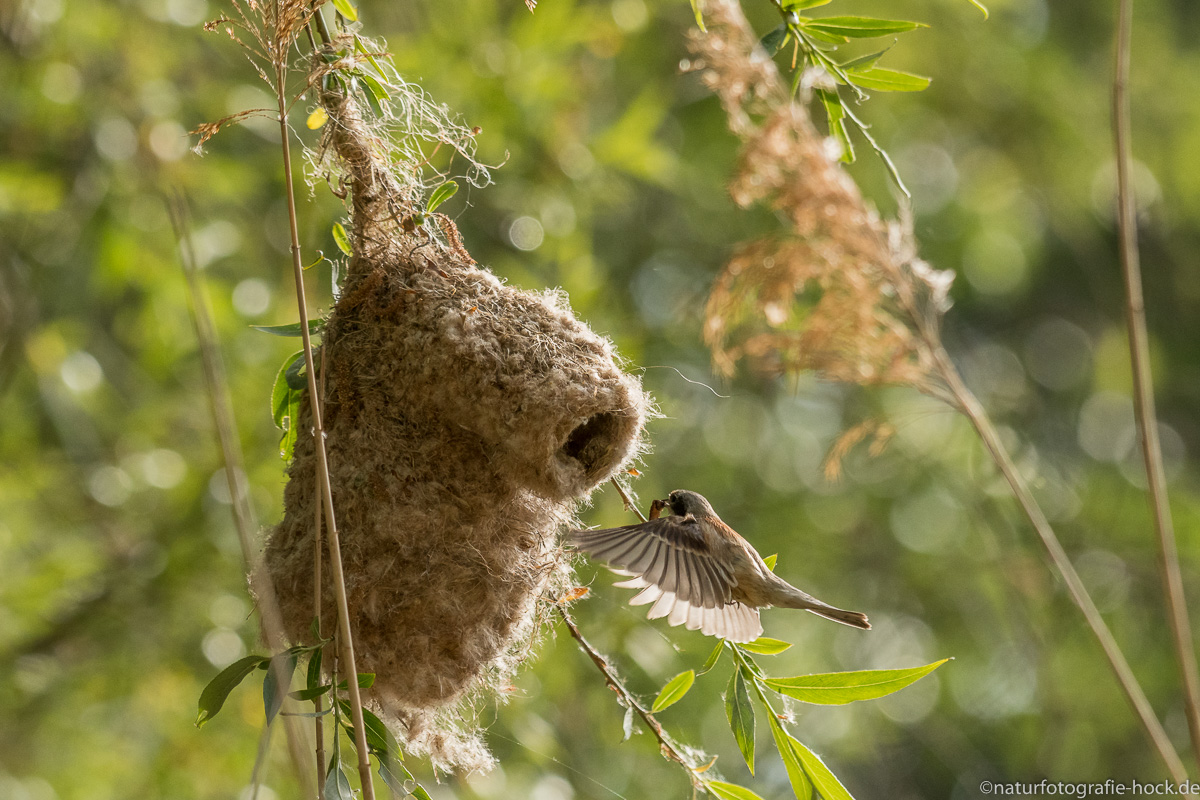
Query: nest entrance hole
{"points": [[591, 443]]}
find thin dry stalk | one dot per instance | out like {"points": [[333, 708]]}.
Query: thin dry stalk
{"points": [[888, 303], [243, 514], [319, 720], [335, 556], [1139, 353]]}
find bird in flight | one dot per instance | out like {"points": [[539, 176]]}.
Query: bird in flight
{"points": [[697, 570]]}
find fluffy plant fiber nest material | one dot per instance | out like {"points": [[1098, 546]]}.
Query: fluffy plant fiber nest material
{"points": [[465, 421]]}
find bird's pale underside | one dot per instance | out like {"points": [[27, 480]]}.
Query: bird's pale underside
{"points": [[694, 569]]}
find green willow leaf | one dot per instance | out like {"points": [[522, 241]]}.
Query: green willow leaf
{"points": [[700, 16], [765, 646], [380, 741], [337, 786], [800, 5], [674, 691], [292, 329], [775, 39], [839, 688], [313, 679], [740, 714], [365, 681], [285, 665], [824, 36], [309, 693], [346, 10], [713, 657], [341, 238], [801, 786], [214, 694], [280, 391], [862, 27], [867, 61], [770, 561], [825, 781], [295, 377], [888, 80], [835, 113], [440, 195], [730, 791]]}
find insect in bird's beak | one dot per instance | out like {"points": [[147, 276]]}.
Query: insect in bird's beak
{"points": [[656, 508]]}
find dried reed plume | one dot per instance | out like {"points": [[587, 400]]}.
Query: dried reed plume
{"points": [[838, 293]]}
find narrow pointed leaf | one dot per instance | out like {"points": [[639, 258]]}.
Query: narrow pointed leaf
{"points": [[740, 714], [280, 669], [801, 786], [862, 27], [341, 239], [730, 791], [214, 694], [379, 739], [713, 657], [838, 688], [400, 780], [888, 80], [770, 561], [800, 5], [700, 16], [346, 10], [825, 781], [775, 39], [766, 646], [309, 693], [440, 195], [292, 329], [365, 681], [674, 691], [313, 680], [835, 112], [283, 399], [867, 61], [337, 786]]}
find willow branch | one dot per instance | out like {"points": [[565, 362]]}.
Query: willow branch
{"points": [[669, 748], [348, 662], [231, 452], [1139, 353]]}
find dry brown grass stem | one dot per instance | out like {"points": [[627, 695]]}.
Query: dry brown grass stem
{"points": [[231, 452], [318, 564], [349, 665], [1139, 352], [870, 310]]}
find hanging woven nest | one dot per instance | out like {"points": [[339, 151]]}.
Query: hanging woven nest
{"points": [[465, 422]]}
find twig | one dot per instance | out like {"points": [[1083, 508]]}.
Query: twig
{"points": [[666, 744], [979, 418], [626, 499], [318, 563], [1139, 353], [243, 513], [348, 662]]}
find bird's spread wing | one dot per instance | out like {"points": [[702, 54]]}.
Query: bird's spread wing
{"points": [[669, 560]]}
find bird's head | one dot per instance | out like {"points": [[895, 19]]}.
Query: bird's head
{"points": [[683, 502]]}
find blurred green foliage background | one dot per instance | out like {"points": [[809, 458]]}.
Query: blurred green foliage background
{"points": [[122, 587]]}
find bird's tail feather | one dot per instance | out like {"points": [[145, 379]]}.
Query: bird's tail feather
{"points": [[855, 619]]}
